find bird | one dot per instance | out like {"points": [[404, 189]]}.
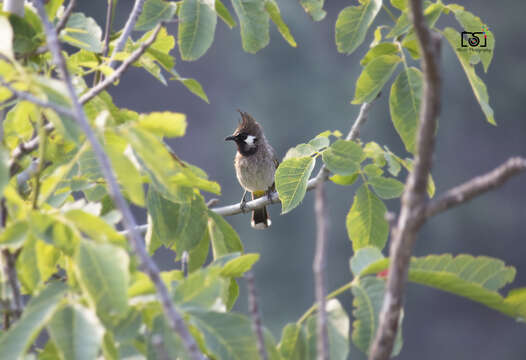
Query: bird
{"points": [[255, 164]]}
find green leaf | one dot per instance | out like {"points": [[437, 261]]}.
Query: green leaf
{"points": [[197, 24], [293, 344], [52, 7], [223, 237], [314, 8], [271, 6], [472, 23], [254, 24], [338, 329], [399, 4], [6, 33], [343, 157], [102, 271], [368, 297], [160, 49], [352, 24], [319, 142], [363, 258], [478, 86], [25, 36], [82, 32], [238, 266], [153, 12], [166, 123], [203, 289], [224, 14], [386, 188], [404, 103], [4, 168], [192, 85], [14, 235], [291, 181], [374, 152], [179, 225], [378, 50], [393, 165], [366, 224], [76, 332], [95, 227], [230, 336], [373, 78], [300, 150], [39, 310], [344, 179], [18, 124], [403, 25], [408, 165]]}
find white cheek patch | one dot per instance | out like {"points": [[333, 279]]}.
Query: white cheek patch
{"points": [[250, 140]]}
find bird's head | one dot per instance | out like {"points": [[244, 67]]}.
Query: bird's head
{"points": [[247, 135]]}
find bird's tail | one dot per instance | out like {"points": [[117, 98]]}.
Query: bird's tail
{"points": [[260, 217]]}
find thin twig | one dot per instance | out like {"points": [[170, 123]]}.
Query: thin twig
{"points": [[253, 309], [322, 175], [174, 318], [128, 28], [33, 99], [94, 91], [414, 196], [320, 267], [476, 186], [9, 261], [106, 41], [65, 16]]}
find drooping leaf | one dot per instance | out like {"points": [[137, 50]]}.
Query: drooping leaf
{"points": [[271, 6], [197, 24], [378, 50], [352, 24], [224, 14], [373, 78], [478, 86], [314, 8], [368, 297], [76, 332], [82, 32], [153, 12], [404, 103], [192, 85], [103, 274], [291, 181], [223, 237], [343, 157], [39, 310], [366, 224], [253, 23]]}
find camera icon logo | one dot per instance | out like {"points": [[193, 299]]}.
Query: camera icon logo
{"points": [[473, 39]]}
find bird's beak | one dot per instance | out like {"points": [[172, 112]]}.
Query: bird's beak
{"points": [[231, 137]]}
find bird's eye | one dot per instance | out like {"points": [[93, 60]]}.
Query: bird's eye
{"points": [[243, 136]]}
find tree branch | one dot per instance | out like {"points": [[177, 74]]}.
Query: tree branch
{"points": [[128, 28], [322, 175], [65, 16], [175, 319], [9, 262], [476, 186], [253, 308], [414, 196], [319, 267]]}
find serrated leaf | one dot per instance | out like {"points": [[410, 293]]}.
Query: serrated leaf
{"points": [[378, 50], [224, 14], [404, 104], [386, 188], [363, 258], [373, 78], [343, 157], [253, 23], [271, 7], [352, 24], [153, 12], [314, 8], [197, 24], [366, 224], [82, 32], [368, 297], [76, 332], [291, 181], [39, 310], [338, 331], [102, 270], [478, 86]]}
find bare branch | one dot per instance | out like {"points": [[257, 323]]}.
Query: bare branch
{"points": [[65, 16], [319, 267], [107, 29], [253, 308], [414, 196], [25, 148], [94, 91], [322, 175], [9, 262], [33, 99], [147, 264], [128, 28], [476, 186]]}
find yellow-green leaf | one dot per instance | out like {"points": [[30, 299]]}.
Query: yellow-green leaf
{"points": [[373, 77]]}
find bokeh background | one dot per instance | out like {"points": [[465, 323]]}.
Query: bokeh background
{"points": [[295, 93]]}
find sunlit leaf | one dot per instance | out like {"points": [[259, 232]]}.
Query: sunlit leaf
{"points": [[291, 181], [373, 78]]}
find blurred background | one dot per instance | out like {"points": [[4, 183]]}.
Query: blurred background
{"points": [[295, 93]]}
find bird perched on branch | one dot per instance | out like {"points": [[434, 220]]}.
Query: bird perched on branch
{"points": [[255, 165]]}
